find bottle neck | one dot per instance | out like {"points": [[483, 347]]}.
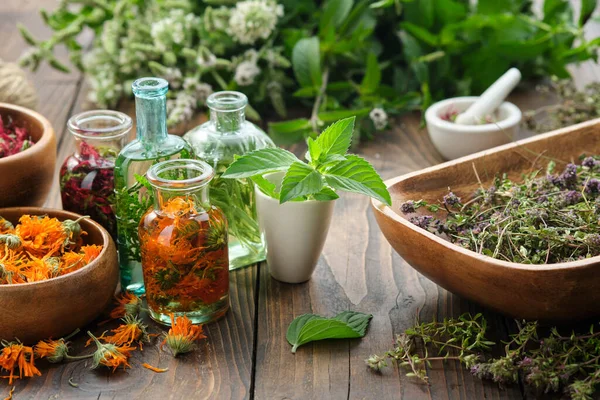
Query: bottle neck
{"points": [[178, 202], [151, 115], [227, 121]]}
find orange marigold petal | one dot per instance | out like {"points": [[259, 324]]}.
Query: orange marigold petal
{"points": [[155, 369]]}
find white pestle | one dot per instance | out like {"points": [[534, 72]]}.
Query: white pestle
{"points": [[487, 103]]}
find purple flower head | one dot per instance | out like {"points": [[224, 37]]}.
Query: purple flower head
{"points": [[451, 199], [589, 162], [571, 197], [555, 180], [422, 221], [526, 361], [542, 199], [408, 207], [515, 202], [592, 186], [593, 240], [569, 175], [475, 369]]}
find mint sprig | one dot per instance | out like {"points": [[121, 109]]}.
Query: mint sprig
{"points": [[329, 167]]}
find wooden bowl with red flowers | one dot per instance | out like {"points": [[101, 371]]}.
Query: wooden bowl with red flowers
{"points": [[27, 157], [58, 272]]}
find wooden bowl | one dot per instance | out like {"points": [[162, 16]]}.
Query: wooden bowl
{"points": [[26, 177], [549, 292], [57, 306]]}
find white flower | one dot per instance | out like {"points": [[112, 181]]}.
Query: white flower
{"points": [[182, 109], [175, 29], [206, 59], [379, 118], [245, 73], [200, 90], [254, 19], [173, 76]]}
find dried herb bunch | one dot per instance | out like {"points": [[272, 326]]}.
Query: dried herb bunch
{"points": [[546, 218], [549, 364], [573, 106]]}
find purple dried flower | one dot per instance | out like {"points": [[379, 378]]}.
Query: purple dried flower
{"points": [[408, 207], [569, 175], [592, 186], [515, 202], [526, 361], [422, 221], [571, 197], [589, 162], [451, 199], [542, 199], [593, 240]]}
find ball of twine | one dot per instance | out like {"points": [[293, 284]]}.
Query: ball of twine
{"points": [[15, 88]]}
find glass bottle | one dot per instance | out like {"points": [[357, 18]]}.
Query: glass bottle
{"points": [[87, 176], [184, 245], [217, 142], [133, 193]]}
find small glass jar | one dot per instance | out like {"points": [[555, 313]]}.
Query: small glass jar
{"points": [[87, 176], [217, 142], [183, 242]]}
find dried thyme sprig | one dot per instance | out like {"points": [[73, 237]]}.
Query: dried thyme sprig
{"points": [[556, 362], [573, 106], [546, 218]]}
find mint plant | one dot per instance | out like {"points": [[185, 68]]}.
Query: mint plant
{"points": [[328, 168]]}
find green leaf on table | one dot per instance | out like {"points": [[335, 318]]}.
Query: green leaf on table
{"points": [[306, 62], [309, 328], [587, 9], [260, 162], [358, 176], [372, 77], [300, 180], [336, 138]]}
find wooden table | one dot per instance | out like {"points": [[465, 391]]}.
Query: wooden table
{"points": [[246, 354]]}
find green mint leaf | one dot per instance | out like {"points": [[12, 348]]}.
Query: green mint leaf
{"points": [[372, 77], [306, 62], [420, 33], [332, 116], [314, 150], [358, 176], [336, 138], [266, 186], [309, 328], [300, 180], [326, 194], [260, 162]]}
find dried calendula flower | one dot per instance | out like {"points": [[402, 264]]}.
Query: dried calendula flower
{"points": [[40, 236], [6, 226], [110, 355], [54, 351], [11, 241], [132, 330], [127, 304], [73, 231], [15, 355], [90, 252], [183, 335]]}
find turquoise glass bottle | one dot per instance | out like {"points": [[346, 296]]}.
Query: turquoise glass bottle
{"points": [[217, 142], [133, 192]]}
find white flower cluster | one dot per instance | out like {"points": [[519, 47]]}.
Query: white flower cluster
{"points": [[181, 109], [379, 118], [199, 90], [245, 73], [175, 29], [105, 88], [252, 20]]}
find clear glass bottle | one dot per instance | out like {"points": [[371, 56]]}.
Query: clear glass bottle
{"points": [[217, 142], [133, 192], [87, 176], [184, 245]]}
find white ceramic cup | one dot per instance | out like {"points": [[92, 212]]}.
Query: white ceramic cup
{"points": [[294, 233], [454, 140]]}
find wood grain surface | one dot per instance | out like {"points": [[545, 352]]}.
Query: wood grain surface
{"points": [[246, 354]]}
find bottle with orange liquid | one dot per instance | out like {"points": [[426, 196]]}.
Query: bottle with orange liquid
{"points": [[183, 242]]}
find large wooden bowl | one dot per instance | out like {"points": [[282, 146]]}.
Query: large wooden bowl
{"points": [[58, 306], [550, 292], [26, 177]]}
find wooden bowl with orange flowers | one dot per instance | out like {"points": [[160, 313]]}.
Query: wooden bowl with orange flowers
{"points": [[63, 277]]}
